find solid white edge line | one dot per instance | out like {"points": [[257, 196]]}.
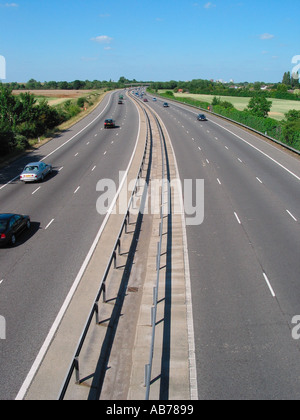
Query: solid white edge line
{"points": [[254, 147], [29, 378], [260, 151], [79, 132]]}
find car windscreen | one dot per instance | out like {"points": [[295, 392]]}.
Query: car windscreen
{"points": [[3, 224]]}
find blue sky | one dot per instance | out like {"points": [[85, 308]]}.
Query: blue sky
{"points": [[157, 40]]}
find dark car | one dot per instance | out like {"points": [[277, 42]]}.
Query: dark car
{"points": [[166, 104], [201, 117], [109, 123], [11, 225]]}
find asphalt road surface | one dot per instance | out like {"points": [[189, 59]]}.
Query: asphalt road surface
{"points": [[37, 273], [244, 257]]}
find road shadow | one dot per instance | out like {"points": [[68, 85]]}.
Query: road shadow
{"points": [[166, 347], [11, 171], [25, 236], [103, 361]]}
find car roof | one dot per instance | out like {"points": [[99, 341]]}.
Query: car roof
{"points": [[34, 164]]}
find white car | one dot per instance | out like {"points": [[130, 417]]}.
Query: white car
{"points": [[35, 171]]}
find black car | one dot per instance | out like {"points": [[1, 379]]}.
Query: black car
{"points": [[109, 123], [201, 117], [11, 225], [166, 105]]}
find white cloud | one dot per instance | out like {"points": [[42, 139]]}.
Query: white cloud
{"points": [[266, 36], [209, 5], [9, 5], [102, 39]]}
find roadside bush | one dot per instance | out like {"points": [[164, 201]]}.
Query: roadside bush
{"points": [[169, 94], [80, 102], [6, 139], [261, 124], [291, 129], [189, 101], [224, 104], [71, 109], [27, 129], [20, 142]]}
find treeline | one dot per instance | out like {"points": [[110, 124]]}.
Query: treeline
{"points": [[33, 84], [255, 116], [208, 87]]}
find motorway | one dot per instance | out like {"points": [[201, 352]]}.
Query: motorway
{"points": [[37, 274], [243, 257]]}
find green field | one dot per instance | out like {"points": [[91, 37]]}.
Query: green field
{"points": [[279, 106]]}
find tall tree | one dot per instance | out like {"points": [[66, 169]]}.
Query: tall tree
{"points": [[259, 106], [287, 78]]}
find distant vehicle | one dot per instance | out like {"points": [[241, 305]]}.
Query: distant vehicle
{"points": [[109, 123], [35, 171], [11, 225], [121, 97], [145, 100], [154, 99], [120, 102], [166, 104], [201, 117]]}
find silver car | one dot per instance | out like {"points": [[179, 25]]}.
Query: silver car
{"points": [[35, 171]]}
